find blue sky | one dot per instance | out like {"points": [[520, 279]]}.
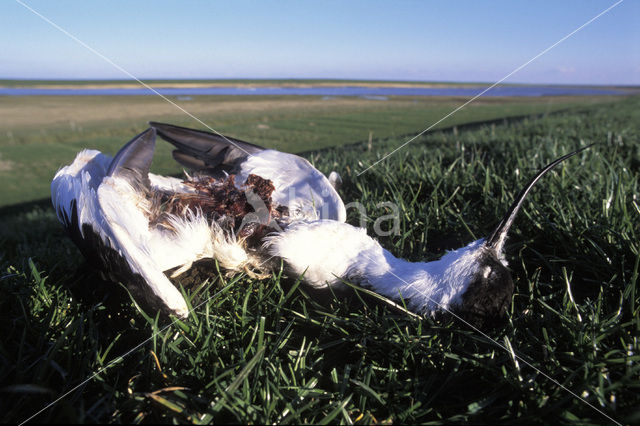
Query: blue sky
{"points": [[399, 40]]}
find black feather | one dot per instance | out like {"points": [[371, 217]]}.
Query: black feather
{"points": [[133, 161], [205, 151]]}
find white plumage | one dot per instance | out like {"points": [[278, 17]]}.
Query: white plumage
{"points": [[326, 252], [306, 192]]}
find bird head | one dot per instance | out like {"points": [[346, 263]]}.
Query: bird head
{"points": [[490, 288]]}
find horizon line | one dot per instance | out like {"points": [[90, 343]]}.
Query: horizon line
{"points": [[302, 79]]}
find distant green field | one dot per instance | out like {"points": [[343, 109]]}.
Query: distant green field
{"points": [[267, 352], [40, 134]]}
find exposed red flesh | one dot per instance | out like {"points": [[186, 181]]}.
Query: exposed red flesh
{"points": [[221, 201]]}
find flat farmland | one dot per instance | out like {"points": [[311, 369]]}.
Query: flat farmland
{"points": [[40, 134]]}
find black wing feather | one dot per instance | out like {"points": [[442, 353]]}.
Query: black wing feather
{"points": [[133, 161], [204, 151]]}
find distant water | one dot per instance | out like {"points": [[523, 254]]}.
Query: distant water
{"points": [[365, 92]]}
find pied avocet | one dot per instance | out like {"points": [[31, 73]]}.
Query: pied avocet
{"points": [[136, 225]]}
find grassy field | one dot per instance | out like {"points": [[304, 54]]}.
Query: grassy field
{"points": [[267, 352], [38, 135]]}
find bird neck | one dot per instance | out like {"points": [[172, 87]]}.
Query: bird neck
{"points": [[326, 252], [423, 286]]}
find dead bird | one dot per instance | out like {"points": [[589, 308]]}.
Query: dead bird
{"points": [[136, 225]]}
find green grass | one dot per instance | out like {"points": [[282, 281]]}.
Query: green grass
{"points": [[268, 352]]}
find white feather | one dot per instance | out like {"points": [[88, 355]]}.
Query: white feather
{"points": [[119, 215], [84, 174], [128, 229], [301, 187], [192, 239], [327, 251], [168, 184]]}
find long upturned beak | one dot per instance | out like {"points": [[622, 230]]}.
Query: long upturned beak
{"points": [[497, 239]]}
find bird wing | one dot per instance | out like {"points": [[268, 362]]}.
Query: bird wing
{"points": [[101, 202], [204, 151], [299, 186]]}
